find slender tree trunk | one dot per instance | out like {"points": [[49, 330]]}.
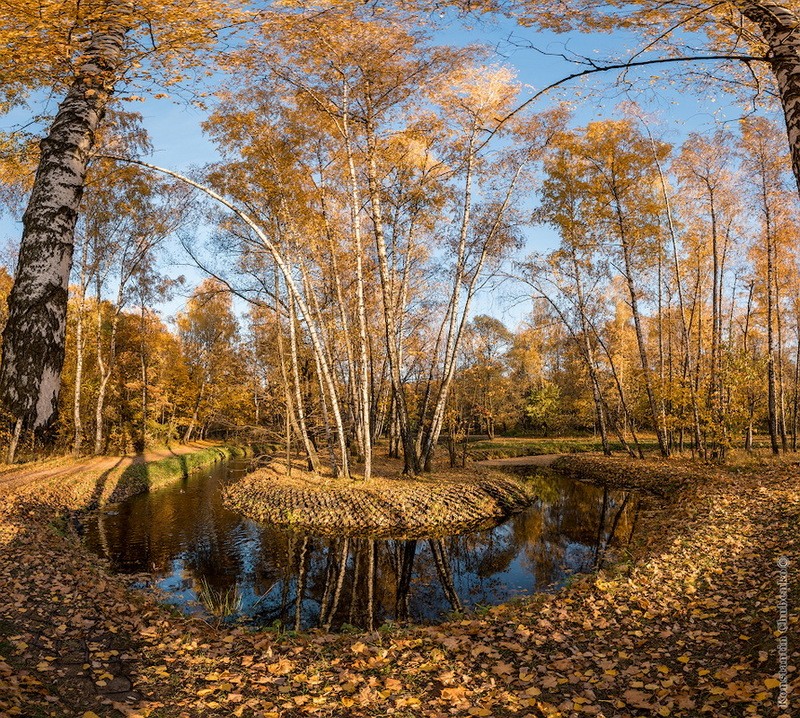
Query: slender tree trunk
{"points": [[589, 357], [445, 575], [12, 445], [311, 452], [772, 408], [362, 410], [105, 368], [410, 454], [187, 437], [748, 439], [432, 435], [33, 338], [686, 332], [80, 343], [301, 585], [372, 561], [640, 340], [291, 423], [354, 593], [342, 568], [340, 300], [715, 383], [404, 573], [427, 439], [292, 290], [627, 417], [144, 366], [796, 397], [781, 400]]}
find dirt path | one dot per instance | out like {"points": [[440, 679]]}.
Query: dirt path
{"points": [[18, 475], [686, 626], [535, 460]]}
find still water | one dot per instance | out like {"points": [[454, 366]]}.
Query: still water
{"points": [[211, 561]]}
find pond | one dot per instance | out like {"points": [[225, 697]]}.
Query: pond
{"points": [[213, 562]]}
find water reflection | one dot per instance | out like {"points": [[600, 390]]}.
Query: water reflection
{"points": [[208, 559]]}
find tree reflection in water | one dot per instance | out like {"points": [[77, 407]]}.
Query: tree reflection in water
{"points": [[184, 536]]}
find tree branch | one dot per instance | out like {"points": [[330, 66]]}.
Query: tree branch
{"points": [[594, 69]]}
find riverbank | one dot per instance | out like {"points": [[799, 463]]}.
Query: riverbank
{"points": [[683, 626], [508, 447], [74, 485]]}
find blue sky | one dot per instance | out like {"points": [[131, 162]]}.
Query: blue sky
{"points": [[179, 142]]}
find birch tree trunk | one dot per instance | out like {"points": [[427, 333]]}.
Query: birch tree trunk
{"points": [[779, 27], [105, 368], [637, 324], [292, 291], [588, 351], [363, 407], [33, 339], [454, 341], [411, 464], [772, 412], [80, 343], [685, 332], [311, 452]]}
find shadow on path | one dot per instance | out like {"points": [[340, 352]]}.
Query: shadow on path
{"points": [[100, 485]]}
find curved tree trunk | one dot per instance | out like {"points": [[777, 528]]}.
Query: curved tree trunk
{"points": [[33, 339]]}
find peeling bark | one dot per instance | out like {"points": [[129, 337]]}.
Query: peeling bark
{"points": [[33, 339], [780, 28]]}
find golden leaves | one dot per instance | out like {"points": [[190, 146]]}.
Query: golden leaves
{"points": [[672, 663], [40, 48]]}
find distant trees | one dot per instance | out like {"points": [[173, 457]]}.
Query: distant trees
{"points": [[208, 333], [163, 384], [707, 282]]}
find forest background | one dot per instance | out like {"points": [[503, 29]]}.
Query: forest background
{"points": [[641, 241]]}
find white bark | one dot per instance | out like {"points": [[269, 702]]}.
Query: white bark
{"points": [[363, 411], [80, 342], [291, 285], [33, 339], [780, 28]]}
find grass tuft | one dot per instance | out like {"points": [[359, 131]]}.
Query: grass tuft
{"points": [[220, 603]]}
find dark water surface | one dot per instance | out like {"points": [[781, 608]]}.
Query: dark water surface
{"points": [[210, 560]]}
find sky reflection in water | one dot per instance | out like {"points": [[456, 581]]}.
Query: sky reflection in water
{"points": [[194, 548]]}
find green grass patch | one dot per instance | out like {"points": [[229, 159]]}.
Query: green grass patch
{"points": [[139, 478]]}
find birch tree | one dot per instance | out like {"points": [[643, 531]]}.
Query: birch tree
{"points": [[83, 51], [381, 135]]}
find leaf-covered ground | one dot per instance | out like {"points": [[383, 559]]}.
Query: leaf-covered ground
{"points": [[388, 504], [685, 627]]}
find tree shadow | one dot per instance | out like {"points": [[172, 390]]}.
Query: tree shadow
{"points": [[134, 480], [184, 466], [183, 462], [100, 485]]}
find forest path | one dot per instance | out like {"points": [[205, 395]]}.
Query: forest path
{"points": [[14, 476]]}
